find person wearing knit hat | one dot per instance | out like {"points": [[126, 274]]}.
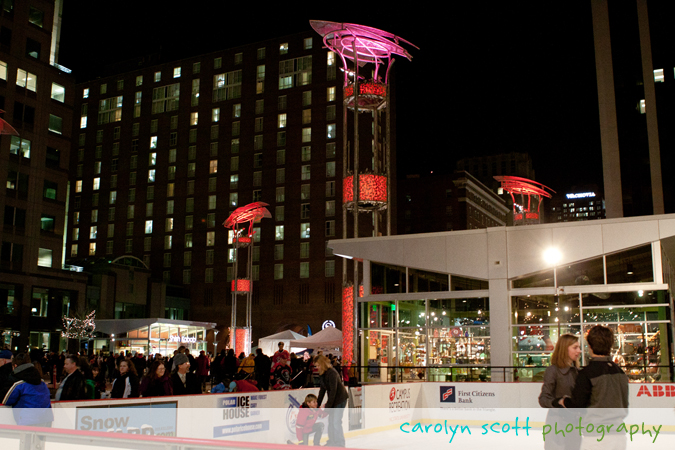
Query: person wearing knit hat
{"points": [[183, 381]]}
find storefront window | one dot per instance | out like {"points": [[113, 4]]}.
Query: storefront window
{"points": [[386, 279], [581, 273], [424, 281], [412, 313], [459, 311], [458, 283], [379, 353], [40, 302], [545, 309], [630, 266], [459, 345], [540, 279], [378, 315], [625, 298], [412, 350], [8, 300]]}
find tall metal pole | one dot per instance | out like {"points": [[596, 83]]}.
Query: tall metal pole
{"points": [[249, 298], [387, 150], [356, 198], [235, 266]]}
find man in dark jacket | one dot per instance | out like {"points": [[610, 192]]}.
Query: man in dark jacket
{"points": [[263, 365], [73, 385], [183, 381], [28, 392]]}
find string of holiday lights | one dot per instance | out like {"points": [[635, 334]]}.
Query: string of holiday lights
{"points": [[79, 328]]}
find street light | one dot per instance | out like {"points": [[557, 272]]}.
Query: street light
{"points": [[552, 256]]}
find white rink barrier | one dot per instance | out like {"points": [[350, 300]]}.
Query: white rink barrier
{"points": [[269, 416]]}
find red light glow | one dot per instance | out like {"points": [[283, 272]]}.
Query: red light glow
{"points": [[241, 339], [372, 188], [243, 285], [367, 88], [347, 325]]}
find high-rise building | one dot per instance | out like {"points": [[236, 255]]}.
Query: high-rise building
{"points": [[484, 168], [634, 65], [36, 290], [439, 202], [580, 203], [164, 154]]}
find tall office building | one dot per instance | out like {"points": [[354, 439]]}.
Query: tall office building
{"points": [[37, 95], [634, 65], [164, 154]]}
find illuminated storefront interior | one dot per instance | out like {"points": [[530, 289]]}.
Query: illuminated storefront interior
{"points": [[151, 336], [485, 305]]}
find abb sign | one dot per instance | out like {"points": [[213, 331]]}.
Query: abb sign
{"points": [[657, 390]]}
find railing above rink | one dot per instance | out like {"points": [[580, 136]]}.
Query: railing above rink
{"points": [[39, 438], [486, 373]]}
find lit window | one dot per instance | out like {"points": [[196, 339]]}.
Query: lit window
{"points": [[304, 231], [85, 91], [44, 257], [306, 116], [330, 228], [212, 202], [641, 107], [306, 135], [261, 53], [55, 124], [279, 233], [176, 72], [304, 270], [658, 76], [58, 92], [279, 213], [307, 98], [93, 231], [280, 194], [210, 238], [165, 98], [330, 169], [281, 120], [168, 242], [110, 110], [234, 198], [196, 67], [26, 80], [283, 48], [304, 192], [308, 43], [97, 183], [194, 118], [331, 94], [227, 86], [281, 176], [152, 159], [153, 142], [20, 146], [148, 227], [158, 77], [215, 115], [295, 72], [330, 268], [304, 250], [306, 153], [151, 175], [330, 208], [234, 181], [305, 172], [331, 131]]}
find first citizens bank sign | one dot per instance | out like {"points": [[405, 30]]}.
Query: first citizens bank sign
{"points": [[450, 394]]}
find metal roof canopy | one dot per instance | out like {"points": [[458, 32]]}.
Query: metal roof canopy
{"points": [[118, 326]]}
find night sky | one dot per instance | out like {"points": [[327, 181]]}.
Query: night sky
{"points": [[489, 77]]}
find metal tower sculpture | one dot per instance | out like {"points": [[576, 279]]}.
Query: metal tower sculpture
{"points": [[253, 212], [363, 189]]}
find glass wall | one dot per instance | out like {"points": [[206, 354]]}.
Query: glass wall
{"points": [[414, 340], [640, 321]]}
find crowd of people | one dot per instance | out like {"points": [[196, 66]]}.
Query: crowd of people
{"points": [[75, 377]]}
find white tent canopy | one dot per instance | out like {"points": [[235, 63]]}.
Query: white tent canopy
{"points": [[328, 338], [270, 344]]}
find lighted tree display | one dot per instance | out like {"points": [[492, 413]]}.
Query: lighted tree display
{"points": [[81, 327]]}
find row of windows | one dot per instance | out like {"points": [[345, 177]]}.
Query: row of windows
{"points": [[177, 71]]}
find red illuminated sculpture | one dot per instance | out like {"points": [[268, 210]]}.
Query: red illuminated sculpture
{"points": [[526, 188], [364, 189], [253, 212]]}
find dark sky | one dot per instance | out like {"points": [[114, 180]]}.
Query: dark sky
{"points": [[489, 77]]}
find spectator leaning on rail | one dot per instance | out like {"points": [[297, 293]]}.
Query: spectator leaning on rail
{"points": [[27, 393]]}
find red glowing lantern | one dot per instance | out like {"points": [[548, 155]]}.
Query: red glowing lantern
{"points": [[243, 286], [372, 190], [241, 338], [347, 325]]}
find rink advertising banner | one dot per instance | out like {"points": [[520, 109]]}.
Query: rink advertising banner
{"points": [[154, 419], [242, 414]]}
